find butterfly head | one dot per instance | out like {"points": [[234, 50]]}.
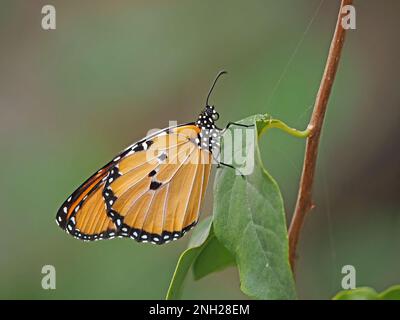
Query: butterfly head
{"points": [[207, 118], [212, 113], [209, 115]]}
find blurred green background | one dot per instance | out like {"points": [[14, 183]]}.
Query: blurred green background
{"points": [[73, 97]]}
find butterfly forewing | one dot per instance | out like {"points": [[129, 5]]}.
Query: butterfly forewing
{"points": [[151, 192]]}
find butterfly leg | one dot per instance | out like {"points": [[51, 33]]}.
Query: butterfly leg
{"points": [[220, 164], [239, 125], [235, 124]]}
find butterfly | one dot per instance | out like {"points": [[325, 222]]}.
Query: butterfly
{"points": [[153, 190]]}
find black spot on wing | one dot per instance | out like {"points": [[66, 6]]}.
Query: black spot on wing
{"points": [[143, 145], [138, 148], [152, 173], [154, 185]]}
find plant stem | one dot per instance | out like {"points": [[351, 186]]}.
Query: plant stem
{"points": [[304, 202], [274, 123]]}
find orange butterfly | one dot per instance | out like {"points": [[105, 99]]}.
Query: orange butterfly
{"points": [[151, 191]]}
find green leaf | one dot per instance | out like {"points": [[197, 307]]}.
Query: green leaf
{"points": [[363, 293], [214, 257], [392, 293], [198, 240], [205, 253], [366, 293], [249, 220]]}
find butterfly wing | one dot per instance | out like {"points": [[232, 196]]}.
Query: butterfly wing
{"points": [[157, 194], [83, 214], [152, 191]]}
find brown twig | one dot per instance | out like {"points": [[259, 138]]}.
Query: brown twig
{"points": [[304, 201]]}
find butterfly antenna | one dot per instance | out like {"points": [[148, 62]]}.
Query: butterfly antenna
{"points": [[213, 85]]}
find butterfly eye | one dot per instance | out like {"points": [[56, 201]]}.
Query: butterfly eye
{"points": [[215, 116]]}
